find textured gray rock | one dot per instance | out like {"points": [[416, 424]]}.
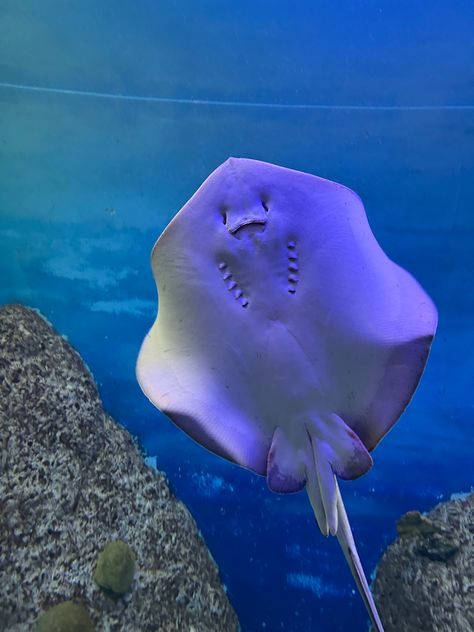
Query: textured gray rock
{"points": [[425, 579], [71, 479]]}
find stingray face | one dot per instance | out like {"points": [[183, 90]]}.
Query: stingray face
{"points": [[251, 236]]}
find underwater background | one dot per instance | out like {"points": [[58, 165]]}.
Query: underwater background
{"points": [[113, 113]]}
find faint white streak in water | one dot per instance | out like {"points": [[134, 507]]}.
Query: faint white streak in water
{"points": [[118, 242], [293, 550], [151, 461], [101, 278], [209, 485], [461, 495], [314, 583], [11, 234], [133, 306], [243, 104]]}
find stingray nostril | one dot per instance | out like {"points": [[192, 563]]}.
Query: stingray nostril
{"points": [[265, 206]]}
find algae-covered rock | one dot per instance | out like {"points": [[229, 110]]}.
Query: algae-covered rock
{"points": [[414, 523], [115, 568], [435, 540], [438, 546], [65, 617]]}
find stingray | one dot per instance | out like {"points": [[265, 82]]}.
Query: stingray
{"points": [[286, 340]]}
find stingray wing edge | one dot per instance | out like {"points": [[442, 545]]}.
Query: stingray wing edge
{"points": [[224, 432]]}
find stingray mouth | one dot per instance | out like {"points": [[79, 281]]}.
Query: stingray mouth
{"points": [[254, 220], [256, 223]]}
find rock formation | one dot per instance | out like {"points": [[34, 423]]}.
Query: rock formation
{"points": [[425, 579], [72, 480]]}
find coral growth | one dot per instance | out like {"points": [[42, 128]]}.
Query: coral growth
{"points": [[65, 617], [115, 568]]}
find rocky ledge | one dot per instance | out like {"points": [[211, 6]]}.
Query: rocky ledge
{"points": [[425, 579], [71, 481]]}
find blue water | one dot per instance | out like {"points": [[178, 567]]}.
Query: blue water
{"points": [[111, 115]]}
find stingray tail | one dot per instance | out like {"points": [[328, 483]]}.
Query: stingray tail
{"points": [[330, 513], [346, 540]]}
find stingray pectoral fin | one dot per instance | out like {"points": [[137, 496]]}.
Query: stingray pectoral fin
{"points": [[346, 540], [197, 405]]}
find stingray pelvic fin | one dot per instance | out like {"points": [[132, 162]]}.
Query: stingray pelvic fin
{"points": [[285, 465]]}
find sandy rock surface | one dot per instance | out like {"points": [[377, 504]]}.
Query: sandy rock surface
{"points": [[425, 579], [71, 480]]}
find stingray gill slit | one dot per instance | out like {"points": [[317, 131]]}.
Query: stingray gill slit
{"points": [[293, 266], [231, 284]]}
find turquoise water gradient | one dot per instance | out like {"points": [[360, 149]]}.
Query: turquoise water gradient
{"points": [[142, 101]]}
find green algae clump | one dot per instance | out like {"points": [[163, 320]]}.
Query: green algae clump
{"points": [[65, 617], [115, 568], [414, 523]]}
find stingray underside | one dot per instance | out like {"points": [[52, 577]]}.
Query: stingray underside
{"points": [[286, 340], [283, 329]]}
